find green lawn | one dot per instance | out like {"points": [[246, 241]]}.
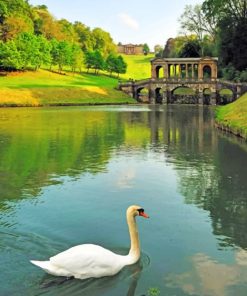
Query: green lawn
{"points": [[139, 66], [234, 116], [47, 88], [43, 87]]}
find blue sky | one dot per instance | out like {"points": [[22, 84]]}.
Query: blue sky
{"points": [[128, 21]]}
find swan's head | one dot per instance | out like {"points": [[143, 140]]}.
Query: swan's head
{"points": [[136, 211]]}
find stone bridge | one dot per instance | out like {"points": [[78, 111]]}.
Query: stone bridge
{"points": [[167, 75]]}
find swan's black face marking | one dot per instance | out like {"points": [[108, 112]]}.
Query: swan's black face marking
{"points": [[140, 211]]}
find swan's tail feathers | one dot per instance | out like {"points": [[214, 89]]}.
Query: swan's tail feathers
{"points": [[46, 265]]}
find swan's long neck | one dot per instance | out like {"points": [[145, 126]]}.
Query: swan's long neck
{"points": [[134, 253]]}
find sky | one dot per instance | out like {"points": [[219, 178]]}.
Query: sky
{"points": [[128, 21]]}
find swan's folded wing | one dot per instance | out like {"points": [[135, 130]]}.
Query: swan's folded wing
{"points": [[88, 260]]}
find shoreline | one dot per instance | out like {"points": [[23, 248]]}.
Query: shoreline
{"points": [[65, 105], [226, 128]]}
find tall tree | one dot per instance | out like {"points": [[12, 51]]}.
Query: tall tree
{"points": [[103, 42], [84, 36], [231, 19], [146, 48]]}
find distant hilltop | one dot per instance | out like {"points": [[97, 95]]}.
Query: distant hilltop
{"points": [[131, 49]]}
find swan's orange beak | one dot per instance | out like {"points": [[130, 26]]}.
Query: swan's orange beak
{"points": [[143, 214]]}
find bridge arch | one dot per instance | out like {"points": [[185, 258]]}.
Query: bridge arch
{"points": [[158, 95], [142, 94], [207, 72], [206, 96], [226, 95], [183, 94], [159, 71]]}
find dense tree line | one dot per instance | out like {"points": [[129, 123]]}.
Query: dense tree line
{"points": [[215, 28], [30, 37]]}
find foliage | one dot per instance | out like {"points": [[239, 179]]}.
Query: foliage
{"points": [[94, 60], [190, 49], [231, 20], [84, 36], [146, 48], [153, 292], [9, 56], [195, 21], [38, 38], [102, 42], [158, 51]]}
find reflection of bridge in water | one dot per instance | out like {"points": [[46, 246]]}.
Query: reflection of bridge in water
{"points": [[169, 74]]}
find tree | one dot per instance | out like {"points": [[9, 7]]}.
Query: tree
{"points": [[10, 58], [76, 61], [68, 31], [158, 50], [103, 42], [115, 64], [94, 60], [3, 11], [121, 65], [191, 49], [111, 63], [14, 25], [146, 48], [195, 21], [231, 18], [85, 37], [220, 9], [64, 54]]}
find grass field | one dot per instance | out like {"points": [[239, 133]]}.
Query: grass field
{"points": [[234, 116], [46, 88], [139, 66]]}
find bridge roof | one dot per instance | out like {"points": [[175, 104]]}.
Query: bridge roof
{"points": [[185, 59]]}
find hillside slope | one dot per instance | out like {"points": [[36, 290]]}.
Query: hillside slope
{"points": [[42, 88], [233, 117], [139, 66]]}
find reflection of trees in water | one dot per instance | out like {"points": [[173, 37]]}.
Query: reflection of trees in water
{"points": [[37, 146], [212, 171]]}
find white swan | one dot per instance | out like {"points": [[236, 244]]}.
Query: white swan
{"points": [[93, 261]]}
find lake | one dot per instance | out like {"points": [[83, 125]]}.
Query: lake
{"points": [[67, 176]]}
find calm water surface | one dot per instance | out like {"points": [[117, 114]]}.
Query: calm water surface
{"points": [[67, 176]]}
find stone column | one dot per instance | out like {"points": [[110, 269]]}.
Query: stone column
{"points": [[200, 97], [193, 73], [166, 71], [180, 71], [200, 73], [169, 96], [186, 71], [213, 98], [165, 98], [151, 96]]}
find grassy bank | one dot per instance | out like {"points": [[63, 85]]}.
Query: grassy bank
{"points": [[43, 88], [233, 117]]}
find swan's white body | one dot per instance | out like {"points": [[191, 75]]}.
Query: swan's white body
{"points": [[87, 261]]}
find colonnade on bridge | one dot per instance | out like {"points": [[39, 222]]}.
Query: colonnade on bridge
{"points": [[184, 68]]}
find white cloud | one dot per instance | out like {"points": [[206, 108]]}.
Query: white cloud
{"points": [[129, 21]]}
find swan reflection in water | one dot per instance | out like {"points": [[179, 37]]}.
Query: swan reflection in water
{"points": [[124, 283]]}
